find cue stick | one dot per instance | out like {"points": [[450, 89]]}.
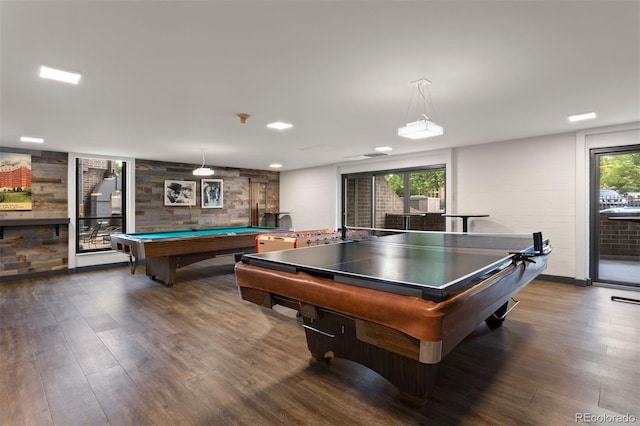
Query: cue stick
{"points": [[256, 218], [249, 203]]}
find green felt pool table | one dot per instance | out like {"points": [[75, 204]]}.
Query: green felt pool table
{"points": [[165, 252]]}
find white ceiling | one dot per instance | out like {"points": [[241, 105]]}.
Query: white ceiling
{"points": [[164, 80]]}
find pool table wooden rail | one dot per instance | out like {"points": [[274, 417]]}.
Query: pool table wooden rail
{"points": [[192, 244], [163, 256]]}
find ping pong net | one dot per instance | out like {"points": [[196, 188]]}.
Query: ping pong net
{"points": [[422, 263], [530, 245]]}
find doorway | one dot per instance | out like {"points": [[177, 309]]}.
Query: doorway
{"points": [[615, 215], [101, 194]]}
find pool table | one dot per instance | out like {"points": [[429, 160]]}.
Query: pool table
{"points": [[397, 304], [166, 251]]}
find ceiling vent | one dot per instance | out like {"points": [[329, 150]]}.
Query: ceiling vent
{"points": [[365, 156]]}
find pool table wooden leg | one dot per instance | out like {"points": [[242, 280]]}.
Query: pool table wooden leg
{"points": [[335, 335], [162, 269]]}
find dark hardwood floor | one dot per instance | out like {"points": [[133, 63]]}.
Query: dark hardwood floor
{"points": [[108, 347]]}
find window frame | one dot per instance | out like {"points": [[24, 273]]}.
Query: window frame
{"points": [[84, 234], [373, 174]]}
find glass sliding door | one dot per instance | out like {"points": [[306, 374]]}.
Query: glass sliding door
{"points": [[615, 215], [390, 196], [357, 201], [426, 197], [411, 199]]}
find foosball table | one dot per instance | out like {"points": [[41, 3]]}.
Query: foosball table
{"points": [[295, 239]]}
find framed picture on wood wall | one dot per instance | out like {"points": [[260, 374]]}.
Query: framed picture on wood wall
{"points": [[179, 193], [212, 196], [15, 182]]}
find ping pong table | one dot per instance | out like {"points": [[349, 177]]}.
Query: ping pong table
{"points": [[396, 302]]}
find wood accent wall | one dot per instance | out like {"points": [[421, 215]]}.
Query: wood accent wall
{"points": [[33, 249], [153, 215], [27, 250]]}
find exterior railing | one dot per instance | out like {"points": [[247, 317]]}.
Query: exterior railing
{"points": [[611, 203]]}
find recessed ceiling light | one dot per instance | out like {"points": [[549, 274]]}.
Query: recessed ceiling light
{"points": [[279, 125], [30, 139], [275, 165], [383, 148], [59, 75], [583, 116]]}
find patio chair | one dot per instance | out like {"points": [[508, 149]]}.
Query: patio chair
{"points": [[90, 237]]}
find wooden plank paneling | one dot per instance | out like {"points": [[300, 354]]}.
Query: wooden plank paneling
{"points": [[36, 248], [153, 215]]}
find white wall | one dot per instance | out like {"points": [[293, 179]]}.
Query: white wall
{"points": [[528, 185], [311, 197], [525, 186]]}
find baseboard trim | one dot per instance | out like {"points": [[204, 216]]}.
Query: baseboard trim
{"points": [[565, 280]]}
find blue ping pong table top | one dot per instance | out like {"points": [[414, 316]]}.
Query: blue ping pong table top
{"points": [[430, 265]]}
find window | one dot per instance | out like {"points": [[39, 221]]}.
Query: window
{"points": [[395, 199], [100, 192]]}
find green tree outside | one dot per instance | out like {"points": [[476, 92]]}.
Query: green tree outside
{"points": [[396, 182], [421, 183], [620, 172]]}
